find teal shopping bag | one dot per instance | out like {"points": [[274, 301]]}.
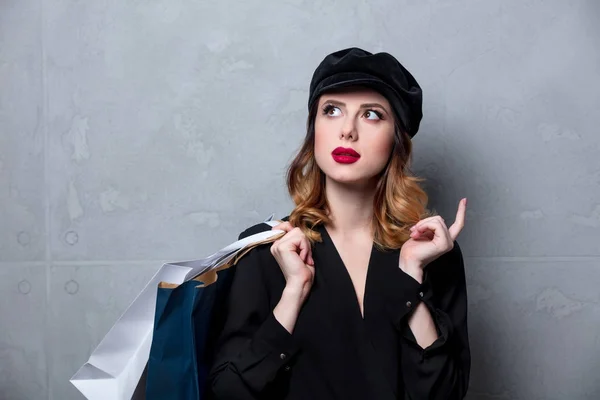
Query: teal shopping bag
{"points": [[188, 319]]}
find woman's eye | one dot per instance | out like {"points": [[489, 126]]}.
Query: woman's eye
{"points": [[373, 115], [332, 111]]}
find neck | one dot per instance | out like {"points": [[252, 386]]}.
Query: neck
{"points": [[350, 207]]}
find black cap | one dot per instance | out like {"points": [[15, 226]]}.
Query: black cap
{"points": [[381, 72]]}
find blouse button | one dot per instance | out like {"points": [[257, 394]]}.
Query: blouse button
{"points": [[287, 368], [282, 356], [420, 294], [408, 304]]}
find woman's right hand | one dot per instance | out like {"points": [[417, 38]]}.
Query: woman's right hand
{"points": [[294, 256]]}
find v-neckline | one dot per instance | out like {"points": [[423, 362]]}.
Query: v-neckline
{"points": [[347, 276]]}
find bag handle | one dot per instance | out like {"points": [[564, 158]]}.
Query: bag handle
{"points": [[210, 276]]}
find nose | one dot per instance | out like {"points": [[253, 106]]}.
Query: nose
{"points": [[349, 129]]}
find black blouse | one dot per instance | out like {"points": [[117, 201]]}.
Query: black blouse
{"points": [[335, 353]]}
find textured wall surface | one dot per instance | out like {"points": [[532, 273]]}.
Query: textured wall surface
{"points": [[137, 132]]}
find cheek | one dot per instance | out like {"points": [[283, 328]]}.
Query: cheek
{"points": [[381, 149], [322, 138], [385, 148]]}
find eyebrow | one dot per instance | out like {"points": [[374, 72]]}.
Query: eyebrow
{"points": [[364, 105]]}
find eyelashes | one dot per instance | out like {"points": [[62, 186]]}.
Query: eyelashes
{"points": [[378, 113], [328, 107]]}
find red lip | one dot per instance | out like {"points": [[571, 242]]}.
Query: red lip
{"points": [[345, 156], [342, 151]]}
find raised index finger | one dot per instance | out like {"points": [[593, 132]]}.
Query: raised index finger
{"points": [[459, 223]]}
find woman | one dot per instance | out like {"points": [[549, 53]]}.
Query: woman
{"points": [[364, 297]]}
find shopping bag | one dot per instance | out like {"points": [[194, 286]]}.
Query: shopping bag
{"points": [[187, 322], [115, 367]]}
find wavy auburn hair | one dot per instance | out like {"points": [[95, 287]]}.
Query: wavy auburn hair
{"points": [[399, 200]]}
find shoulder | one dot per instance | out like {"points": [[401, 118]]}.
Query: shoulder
{"points": [[259, 257], [455, 255], [451, 257], [449, 268], [257, 228]]}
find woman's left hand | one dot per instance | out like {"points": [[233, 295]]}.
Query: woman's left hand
{"points": [[429, 239]]}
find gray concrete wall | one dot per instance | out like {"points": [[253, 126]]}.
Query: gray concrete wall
{"points": [[119, 120]]}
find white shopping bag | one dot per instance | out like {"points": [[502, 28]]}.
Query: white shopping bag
{"points": [[116, 365]]}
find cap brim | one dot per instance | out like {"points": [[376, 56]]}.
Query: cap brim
{"points": [[348, 79]]}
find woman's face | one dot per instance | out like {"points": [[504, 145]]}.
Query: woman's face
{"points": [[360, 119]]}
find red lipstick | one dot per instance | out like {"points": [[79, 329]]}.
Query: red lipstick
{"points": [[344, 155]]}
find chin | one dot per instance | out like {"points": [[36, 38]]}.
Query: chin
{"points": [[345, 174], [348, 179]]}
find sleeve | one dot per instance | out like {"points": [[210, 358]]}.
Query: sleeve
{"points": [[440, 371], [253, 346]]}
